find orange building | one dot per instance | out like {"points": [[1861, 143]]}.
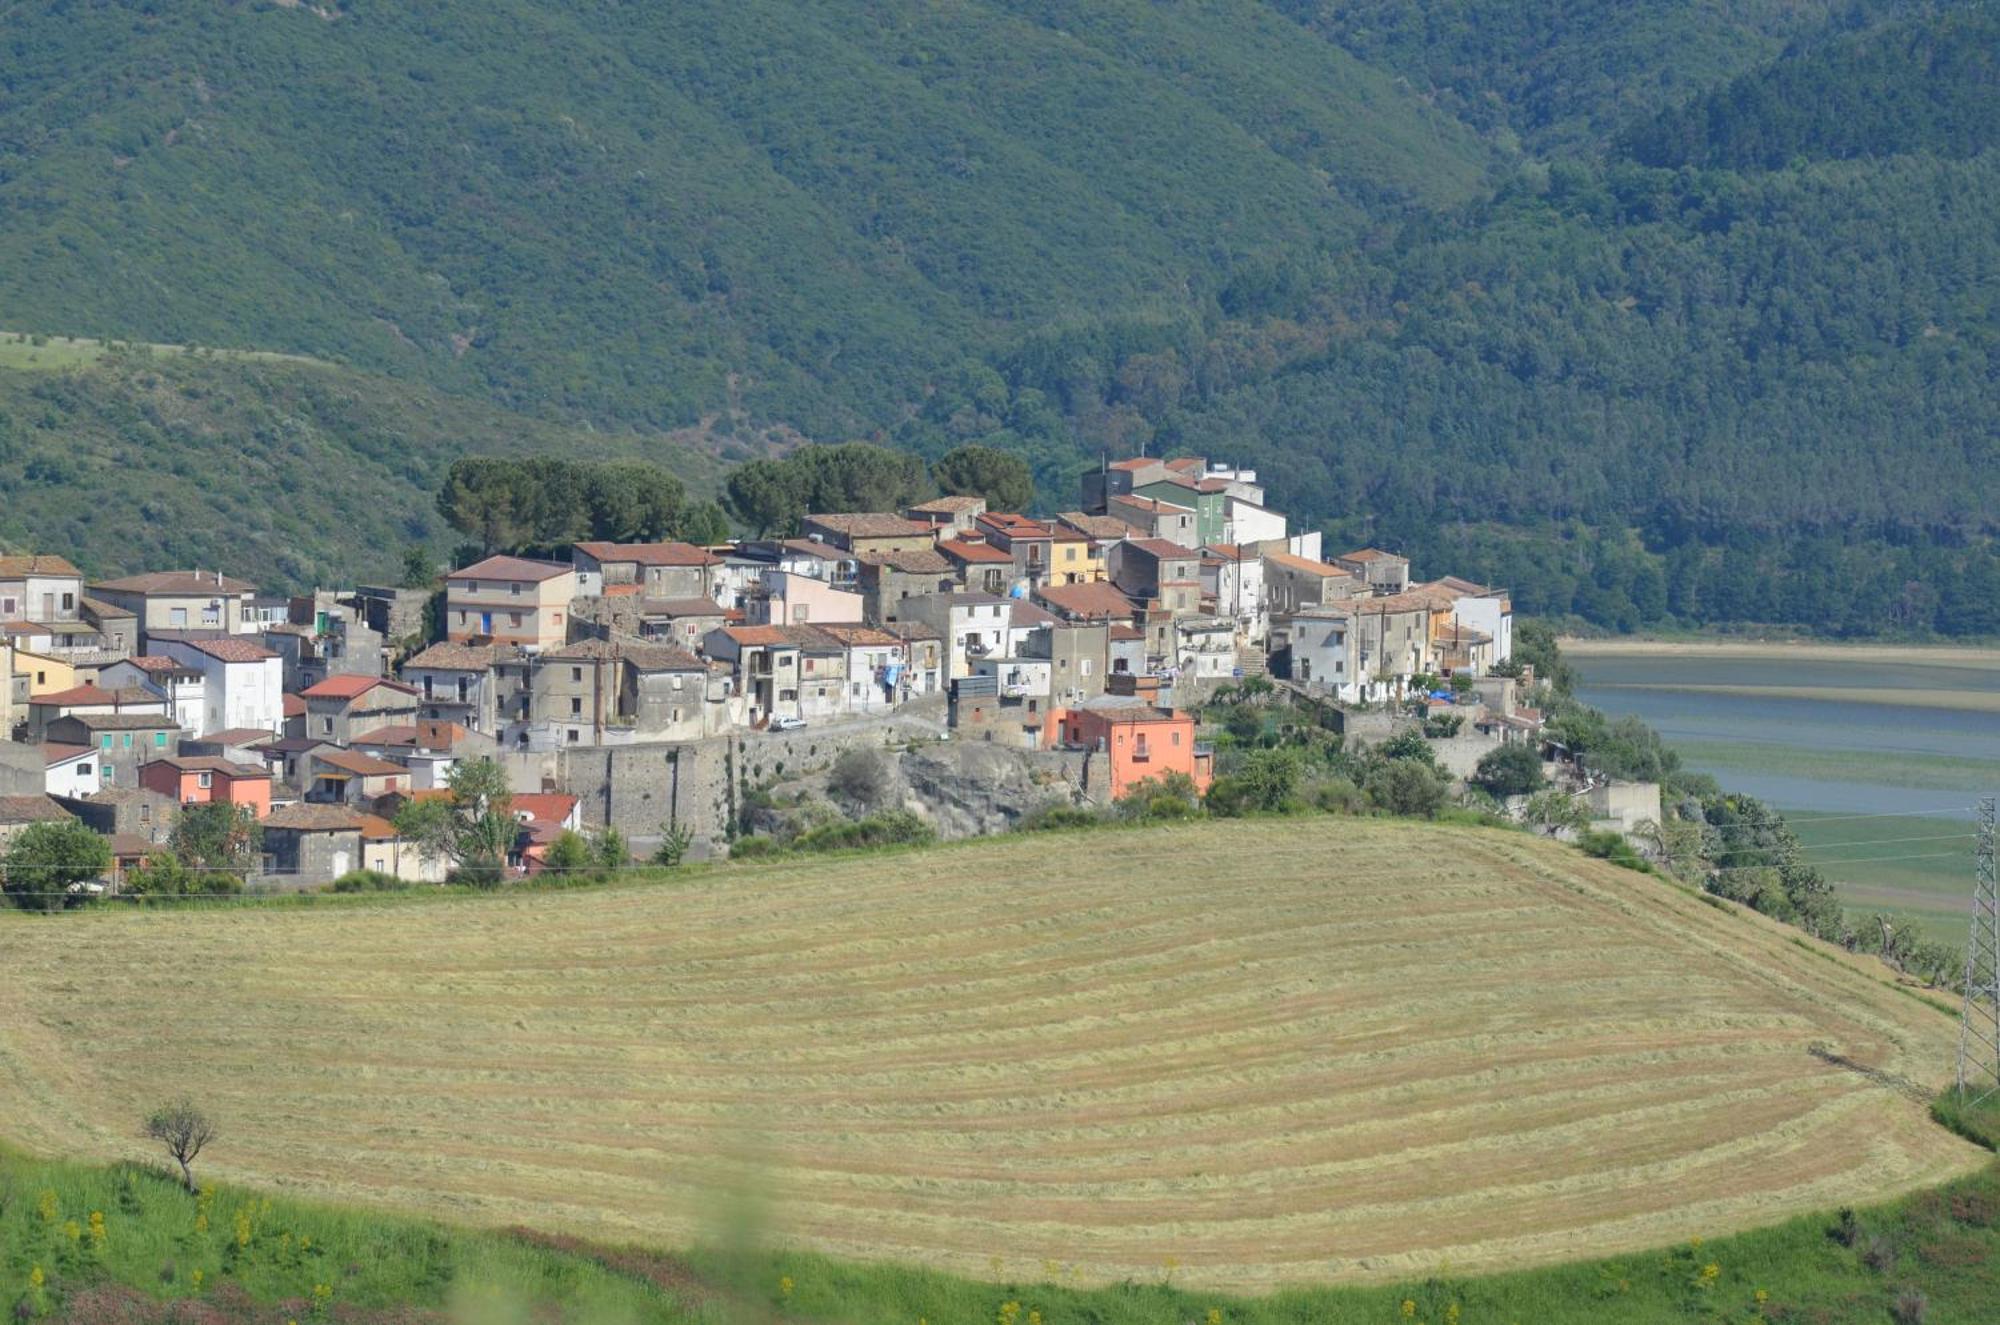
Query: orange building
{"points": [[198, 780], [1140, 741]]}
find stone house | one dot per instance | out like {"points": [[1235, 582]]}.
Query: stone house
{"points": [[180, 600], [123, 741], [340, 706], [39, 588], [1293, 582], [887, 578], [651, 570], [1383, 572], [869, 531], [309, 844], [455, 683]]}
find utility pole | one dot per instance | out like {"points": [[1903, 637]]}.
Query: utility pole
{"points": [[1979, 1028]]}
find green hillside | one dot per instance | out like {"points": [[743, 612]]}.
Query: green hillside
{"points": [[1682, 316], [645, 212], [292, 475]]}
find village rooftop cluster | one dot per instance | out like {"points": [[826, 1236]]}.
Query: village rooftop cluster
{"points": [[1098, 629]]}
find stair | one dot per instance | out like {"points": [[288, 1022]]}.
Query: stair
{"points": [[1251, 662]]}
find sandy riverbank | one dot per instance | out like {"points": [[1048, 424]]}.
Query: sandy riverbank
{"points": [[1941, 655]]}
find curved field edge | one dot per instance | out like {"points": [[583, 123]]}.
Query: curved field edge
{"points": [[1261, 1054]]}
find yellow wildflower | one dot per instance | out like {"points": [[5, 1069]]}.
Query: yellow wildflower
{"points": [[1409, 1309], [97, 1234], [785, 1286], [1215, 1316], [72, 1230], [1451, 1314], [36, 1278], [197, 1277], [1761, 1296], [46, 1207], [242, 1229]]}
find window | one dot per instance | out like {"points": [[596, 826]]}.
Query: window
{"points": [[107, 742], [576, 708], [128, 740], [1177, 738], [514, 618], [108, 779], [177, 617], [326, 726], [204, 779], [69, 602], [1086, 666], [576, 674], [572, 736], [1140, 754], [9, 606], [159, 740], [83, 770], [515, 589]]}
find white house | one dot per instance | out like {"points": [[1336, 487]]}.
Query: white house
{"points": [[183, 687], [244, 683], [1232, 578], [1205, 647], [875, 667], [1488, 611], [1319, 644], [72, 770], [1248, 522], [973, 625]]}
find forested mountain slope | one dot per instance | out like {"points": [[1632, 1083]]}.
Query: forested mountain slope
{"points": [[1679, 313], [645, 212]]}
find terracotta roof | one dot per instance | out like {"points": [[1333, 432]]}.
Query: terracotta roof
{"points": [[230, 650], [859, 637], [912, 630], [181, 582], [645, 657], [757, 635], [1126, 634], [921, 561], [1026, 614], [1088, 602], [952, 505], [869, 524], [651, 554], [1304, 565], [454, 658], [374, 828], [1368, 554], [352, 687], [91, 694], [124, 846], [130, 722], [35, 564], [1160, 549], [679, 607], [31, 810], [513, 568], [213, 764], [293, 706], [1096, 526], [98, 607], [306, 816], [53, 754], [960, 550], [1453, 585], [1015, 526], [1185, 463], [359, 764], [1223, 552], [547, 806], [1134, 464], [1411, 600], [1152, 504]]}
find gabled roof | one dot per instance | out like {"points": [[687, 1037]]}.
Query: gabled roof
{"points": [[360, 765], [128, 722], [1133, 465], [35, 564], [869, 524], [31, 810], [1027, 615], [1410, 600], [1188, 464], [1303, 565], [91, 694], [1099, 601], [229, 650], [353, 686], [180, 582], [953, 505], [1096, 526], [374, 828], [651, 554], [159, 665], [859, 637], [513, 568], [213, 764], [1368, 554], [53, 754], [1152, 504], [1014, 525], [974, 553], [427, 734], [99, 608], [1160, 549], [545, 806], [760, 636], [307, 816], [454, 658], [292, 706], [917, 561]]}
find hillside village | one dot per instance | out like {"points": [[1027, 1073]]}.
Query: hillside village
{"points": [[646, 687]]}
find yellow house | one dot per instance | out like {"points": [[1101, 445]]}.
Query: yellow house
{"points": [[510, 600], [1074, 558], [45, 675]]}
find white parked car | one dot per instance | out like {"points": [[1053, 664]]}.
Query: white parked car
{"points": [[788, 724]]}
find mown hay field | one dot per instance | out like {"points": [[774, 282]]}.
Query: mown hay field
{"points": [[1244, 1054]]}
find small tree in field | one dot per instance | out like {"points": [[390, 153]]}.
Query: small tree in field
{"points": [[46, 862], [184, 1130]]}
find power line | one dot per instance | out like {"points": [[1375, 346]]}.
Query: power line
{"points": [[1979, 1023]]}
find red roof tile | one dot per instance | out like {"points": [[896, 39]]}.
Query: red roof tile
{"points": [[353, 687]]}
